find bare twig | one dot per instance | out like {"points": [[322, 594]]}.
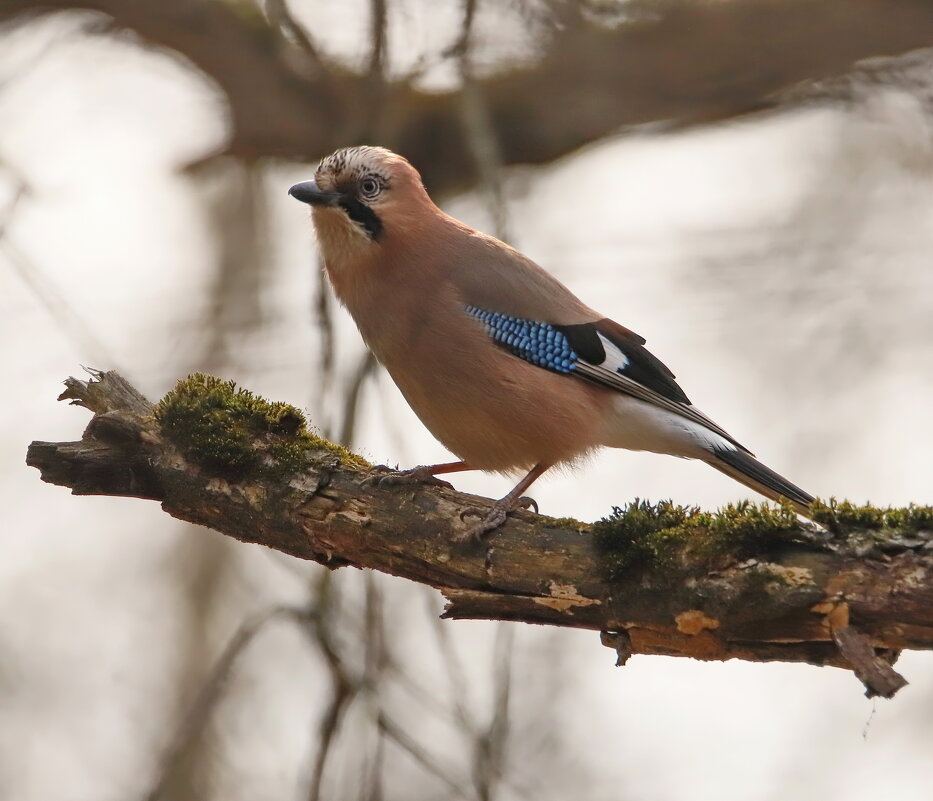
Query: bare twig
{"points": [[371, 787], [419, 754], [280, 14], [366, 367], [324, 320], [478, 128], [377, 662], [491, 745], [344, 686], [371, 127], [210, 693], [378, 37], [71, 322], [330, 722], [454, 672], [422, 695], [46, 292]]}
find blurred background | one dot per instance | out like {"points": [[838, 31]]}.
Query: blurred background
{"points": [[746, 183]]}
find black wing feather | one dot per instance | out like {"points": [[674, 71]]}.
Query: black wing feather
{"points": [[643, 367]]}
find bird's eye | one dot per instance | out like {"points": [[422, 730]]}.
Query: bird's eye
{"points": [[369, 187]]}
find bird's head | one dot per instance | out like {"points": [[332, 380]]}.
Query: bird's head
{"points": [[361, 197]]}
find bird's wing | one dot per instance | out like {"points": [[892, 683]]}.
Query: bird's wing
{"points": [[530, 313], [602, 351]]}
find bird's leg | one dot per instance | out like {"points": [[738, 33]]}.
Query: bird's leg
{"points": [[423, 474], [495, 517]]}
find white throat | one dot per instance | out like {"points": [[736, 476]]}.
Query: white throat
{"points": [[341, 240]]}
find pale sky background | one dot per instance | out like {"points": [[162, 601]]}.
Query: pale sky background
{"points": [[780, 266]]}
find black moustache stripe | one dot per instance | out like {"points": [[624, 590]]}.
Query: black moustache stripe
{"points": [[364, 215]]}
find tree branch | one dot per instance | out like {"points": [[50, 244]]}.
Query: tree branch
{"points": [[852, 597], [663, 60]]}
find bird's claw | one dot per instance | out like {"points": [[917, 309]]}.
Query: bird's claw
{"points": [[471, 511], [393, 478], [526, 503], [491, 519]]}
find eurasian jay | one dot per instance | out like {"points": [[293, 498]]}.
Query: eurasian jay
{"points": [[505, 366]]}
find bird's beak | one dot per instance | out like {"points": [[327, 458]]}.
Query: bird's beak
{"points": [[309, 192]]}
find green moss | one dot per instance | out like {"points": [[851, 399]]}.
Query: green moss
{"points": [[639, 536], [235, 434], [665, 536], [751, 524], [838, 515], [566, 522], [910, 518], [843, 516]]}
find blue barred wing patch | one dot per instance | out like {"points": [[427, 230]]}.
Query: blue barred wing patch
{"points": [[539, 343]]}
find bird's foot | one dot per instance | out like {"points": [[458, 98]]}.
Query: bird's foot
{"points": [[492, 518], [393, 478]]}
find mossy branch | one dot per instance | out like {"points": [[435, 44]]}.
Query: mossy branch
{"points": [[749, 582]]}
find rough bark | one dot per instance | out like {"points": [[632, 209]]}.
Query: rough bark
{"points": [[811, 596], [679, 61]]}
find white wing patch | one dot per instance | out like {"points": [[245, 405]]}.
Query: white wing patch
{"points": [[615, 359]]}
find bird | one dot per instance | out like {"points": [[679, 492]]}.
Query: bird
{"points": [[501, 362]]}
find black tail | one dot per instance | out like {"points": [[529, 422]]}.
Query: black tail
{"points": [[745, 468]]}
